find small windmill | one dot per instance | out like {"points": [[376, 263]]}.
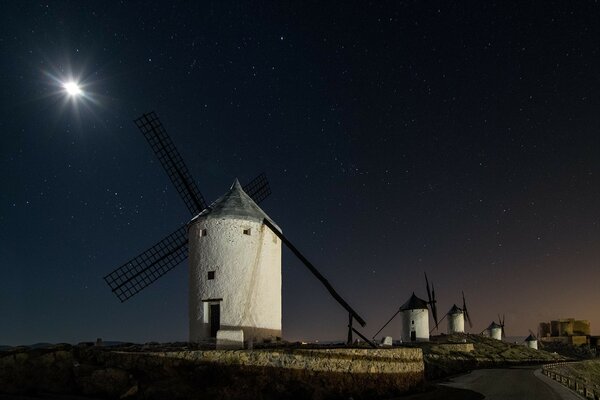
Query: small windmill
{"points": [[531, 341], [496, 330], [146, 268], [415, 316], [456, 318]]}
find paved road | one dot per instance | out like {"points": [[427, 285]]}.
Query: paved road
{"points": [[513, 383], [499, 384]]}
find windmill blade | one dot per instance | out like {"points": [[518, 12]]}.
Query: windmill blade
{"points": [[258, 188], [169, 157], [431, 298], [387, 323], [141, 271], [434, 306], [315, 272], [466, 312], [428, 291]]}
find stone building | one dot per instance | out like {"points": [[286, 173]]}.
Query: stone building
{"points": [[566, 330]]}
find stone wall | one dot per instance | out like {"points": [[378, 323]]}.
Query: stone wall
{"points": [[213, 374]]}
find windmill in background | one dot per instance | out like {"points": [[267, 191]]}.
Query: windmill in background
{"points": [[415, 316], [496, 330], [456, 317]]}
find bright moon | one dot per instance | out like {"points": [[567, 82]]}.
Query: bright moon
{"points": [[72, 88]]}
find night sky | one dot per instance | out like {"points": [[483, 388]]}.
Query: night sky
{"points": [[458, 138]]}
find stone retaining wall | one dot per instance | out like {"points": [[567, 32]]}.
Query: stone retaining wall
{"points": [[214, 374]]}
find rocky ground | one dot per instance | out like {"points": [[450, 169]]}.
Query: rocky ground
{"points": [[117, 372]]}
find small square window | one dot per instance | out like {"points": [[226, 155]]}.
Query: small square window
{"points": [[203, 232], [211, 275], [247, 231]]}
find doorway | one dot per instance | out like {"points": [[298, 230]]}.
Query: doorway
{"points": [[214, 318]]}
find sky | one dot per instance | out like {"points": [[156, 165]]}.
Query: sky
{"points": [[455, 138]]}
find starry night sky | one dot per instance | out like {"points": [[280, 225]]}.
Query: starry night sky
{"points": [[459, 138]]}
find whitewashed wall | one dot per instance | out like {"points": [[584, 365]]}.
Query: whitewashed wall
{"points": [[456, 323], [420, 326], [247, 277]]}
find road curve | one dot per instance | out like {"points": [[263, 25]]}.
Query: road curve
{"points": [[512, 383], [525, 383]]}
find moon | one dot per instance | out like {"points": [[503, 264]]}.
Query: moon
{"points": [[72, 88]]}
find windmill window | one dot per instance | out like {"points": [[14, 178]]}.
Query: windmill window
{"points": [[247, 231], [211, 275], [203, 232], [412, 322]]}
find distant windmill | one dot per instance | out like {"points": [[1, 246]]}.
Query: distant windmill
{"points": [[216, 268], [415, 316], [531, 341], [456, 318], [496, 330]]}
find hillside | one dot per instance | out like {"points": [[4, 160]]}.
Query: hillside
{"points": [[441, 361]]}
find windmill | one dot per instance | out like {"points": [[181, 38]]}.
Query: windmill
{"points": [[496, 330], [456, 318], [144, 269], [415, 316], [531, 341]]}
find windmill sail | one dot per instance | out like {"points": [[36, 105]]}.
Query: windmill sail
{"points": [[141, 271], [466, 312], [169, 157], [432, 301]]}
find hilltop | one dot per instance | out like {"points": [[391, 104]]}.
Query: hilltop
{"points": [[442, 360]]}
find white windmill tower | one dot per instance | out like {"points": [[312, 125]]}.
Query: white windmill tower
{"points": [[415, 316], [456, 318], [235, 270], [531, 341], [415, 320], [496, 331]]}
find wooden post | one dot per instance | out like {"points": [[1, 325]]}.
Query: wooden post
{"points": [[350, 318]]}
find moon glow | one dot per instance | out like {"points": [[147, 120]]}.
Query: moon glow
{"points": [[72, 88]]}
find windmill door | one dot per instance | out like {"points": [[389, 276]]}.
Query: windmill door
{"points": [[215, 319]]}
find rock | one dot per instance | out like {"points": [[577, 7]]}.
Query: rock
{"points": [[387, 341]]}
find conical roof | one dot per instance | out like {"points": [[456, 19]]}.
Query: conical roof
{"points": [[455, 310], [235, 204], [414, 303], [494, 325], [531, 338]]}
